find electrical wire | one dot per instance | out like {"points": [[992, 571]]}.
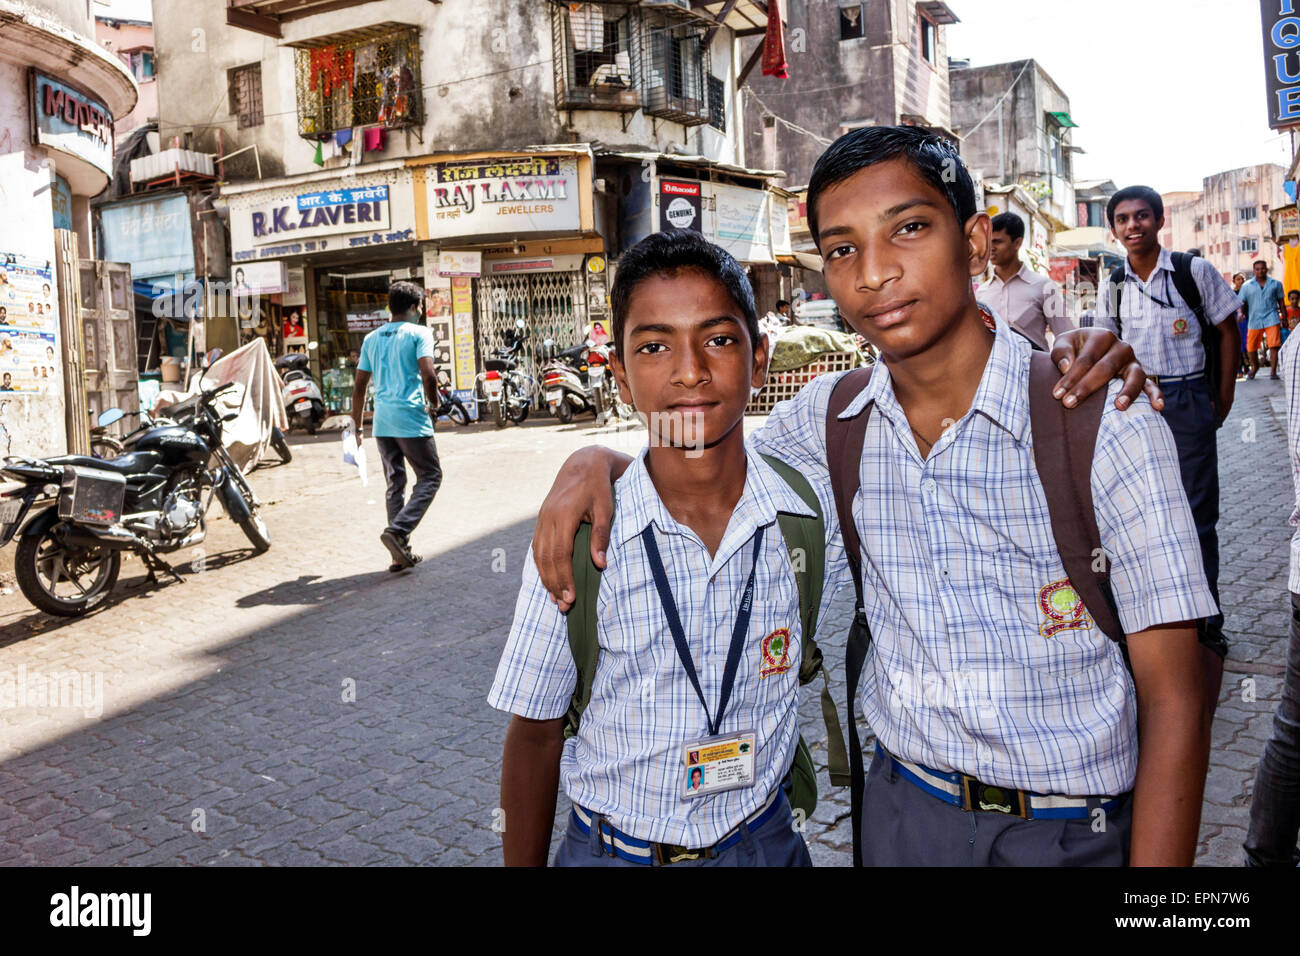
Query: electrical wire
{"points": [[998, 105], [782, 120]]}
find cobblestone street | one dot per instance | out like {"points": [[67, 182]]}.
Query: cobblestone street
{"points": [[224, 732]]}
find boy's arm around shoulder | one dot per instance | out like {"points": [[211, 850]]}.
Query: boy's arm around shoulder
{"points": [[535, 682], [1158, 580]]}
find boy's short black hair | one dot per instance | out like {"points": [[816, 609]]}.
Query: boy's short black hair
{"points": [[1143, 193], [669, 252], [1011, 224], [402, 297], [936, 159], [781, 302]]}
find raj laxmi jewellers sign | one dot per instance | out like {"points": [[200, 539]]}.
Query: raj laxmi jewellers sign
{"points": [[506, 195], [321, 213]]}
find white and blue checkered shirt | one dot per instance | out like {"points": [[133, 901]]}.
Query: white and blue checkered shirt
{"points": [[626, 760], [1164, 334], [957, 555]]}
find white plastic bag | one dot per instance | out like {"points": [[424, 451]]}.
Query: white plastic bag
{"points": [[354, 453]]}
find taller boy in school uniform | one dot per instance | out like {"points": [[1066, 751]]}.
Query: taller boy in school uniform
{"points": [[966, 681]]}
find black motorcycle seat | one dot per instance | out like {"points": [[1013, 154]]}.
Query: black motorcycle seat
{"points": [[131, 463]]}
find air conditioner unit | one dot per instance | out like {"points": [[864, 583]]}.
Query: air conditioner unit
{"points": [[681, 4]]}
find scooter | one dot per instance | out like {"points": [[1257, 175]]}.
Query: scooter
{"points": [[506, 388], [602, 387], [563, 384], [449, 404], [301, 393]]}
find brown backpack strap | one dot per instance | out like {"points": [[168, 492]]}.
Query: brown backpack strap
{"points": [[845, 440], [1064, 442]]}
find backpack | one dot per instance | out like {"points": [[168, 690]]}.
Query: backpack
{"points": [[805, 538], [1064, 440], [1185, 284]]}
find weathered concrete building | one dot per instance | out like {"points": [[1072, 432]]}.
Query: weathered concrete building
{"points": [[1228, 219], [876, 63], [365, 141], [1014, 121], [60, 94], [131, 41]]}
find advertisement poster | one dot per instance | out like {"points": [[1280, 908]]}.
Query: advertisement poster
{"points": [[460, 264], [29, 323], [462, 304], [740, 222], [679, 206]]}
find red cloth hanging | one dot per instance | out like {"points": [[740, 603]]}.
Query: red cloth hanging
{"points": [[774, 62]]}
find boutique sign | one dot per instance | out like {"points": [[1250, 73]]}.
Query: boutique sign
{"points": [[66, 119], [503, 196], [321, 213], [1281, 21]]}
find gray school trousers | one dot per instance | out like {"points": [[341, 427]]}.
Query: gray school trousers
{"points": [[905, 826]]}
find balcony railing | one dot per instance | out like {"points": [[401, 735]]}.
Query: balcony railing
{"points": [[674, 63], [592, 48], [364, 77]]}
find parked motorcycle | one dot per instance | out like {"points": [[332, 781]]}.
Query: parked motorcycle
{"points": [[564, 384], [506, 388], [300, 392], [152, 499], [449, 404], [602, 387]]}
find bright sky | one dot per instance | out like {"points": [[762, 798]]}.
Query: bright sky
{"points": [[126, 9], [1177, 95]]}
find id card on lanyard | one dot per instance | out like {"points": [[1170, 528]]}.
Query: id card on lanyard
{"points": [[717, 762]]}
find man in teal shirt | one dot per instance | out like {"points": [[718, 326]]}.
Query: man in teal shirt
{"points": [[1265, 316], [399, 355]]}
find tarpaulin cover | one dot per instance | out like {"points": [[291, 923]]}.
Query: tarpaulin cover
{"points": [[800, 346], [258, 401]]}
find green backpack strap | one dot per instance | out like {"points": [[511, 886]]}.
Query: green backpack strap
{"points": [[581, 620], [805, 539]]}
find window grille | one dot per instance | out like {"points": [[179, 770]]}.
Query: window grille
{"points": [[361, 78], [717, 103], [245, 83], [594, 63], [674, 64], [853, 17]]}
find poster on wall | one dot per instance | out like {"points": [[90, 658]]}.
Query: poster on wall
{"points": [[295, 286], [740, 223], [679, 205], [29, 323], [462, 305]]}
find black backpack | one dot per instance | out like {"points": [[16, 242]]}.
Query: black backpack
{"points": [[1185, 284]]}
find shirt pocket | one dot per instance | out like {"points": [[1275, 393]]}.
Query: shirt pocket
{"points": [[1045, 625]]}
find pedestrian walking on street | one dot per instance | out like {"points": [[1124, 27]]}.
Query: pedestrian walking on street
{"points": [[399, 356], [1275, 803], [1265, 315], [1238, 280], [1028, 301], [1180, 316]]}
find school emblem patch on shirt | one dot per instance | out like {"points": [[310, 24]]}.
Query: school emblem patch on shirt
{"points": [[1062, 608], [776, 653]]}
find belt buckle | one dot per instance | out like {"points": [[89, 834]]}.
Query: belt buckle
{"points": [[990, 799], [601, 824], [666, 854]]}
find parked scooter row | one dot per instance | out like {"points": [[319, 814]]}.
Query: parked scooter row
{"points": [[579, 380]]}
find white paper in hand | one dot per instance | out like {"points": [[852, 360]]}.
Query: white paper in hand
{"points": [[354, 453]]}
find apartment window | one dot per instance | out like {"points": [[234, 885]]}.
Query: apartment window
{"points": [[1199, 224], [140, 63], [592, 47], [1248, 214], [245, 86], [717, 103], [929, 39], [676, 62], [359, 78], [1249, 245], [853, 18]]}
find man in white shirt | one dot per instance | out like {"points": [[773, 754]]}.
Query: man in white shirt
{"points": [[1029, 301]]}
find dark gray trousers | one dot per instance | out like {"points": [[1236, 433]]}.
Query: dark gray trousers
{"points": [[422, 453], [902, 825], [1275, 806]]}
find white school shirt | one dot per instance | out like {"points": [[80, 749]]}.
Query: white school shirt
{"points": [[626, 760]]}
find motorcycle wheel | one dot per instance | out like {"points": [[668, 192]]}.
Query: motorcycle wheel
{"points": [[280, 445], [564, 412], [519, 414], [457, 412], [253, 526], [42, 564], [497, 416], [598, 405]]}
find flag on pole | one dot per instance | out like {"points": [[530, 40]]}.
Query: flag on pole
{"points": [[774, 62]]}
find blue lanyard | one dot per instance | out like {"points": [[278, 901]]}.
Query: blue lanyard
{"points": [[679, 636]]}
